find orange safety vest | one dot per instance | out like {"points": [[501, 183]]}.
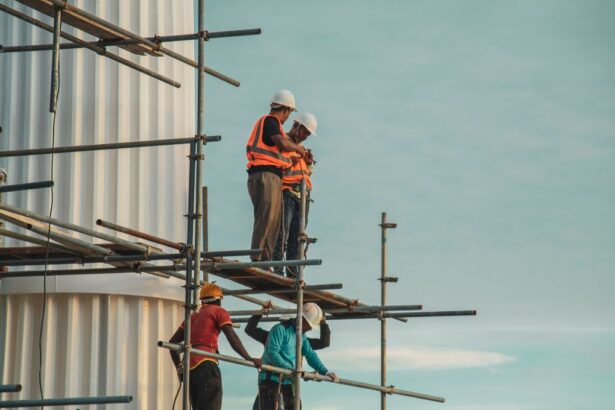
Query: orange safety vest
{"points": [[259, 153], [293, 175]]}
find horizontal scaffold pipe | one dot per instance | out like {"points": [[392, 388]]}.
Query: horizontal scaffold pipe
{"points": [[394, 315], [76, 228], [10, 388], [305, 375], [353, 309], [36, 241], [127, 42], [112, 145], [137, 269], [139, 234], [68, 401], [97, 49], [26, 186], [92, 259], [155, 47], [235, 292], [212, 266]]}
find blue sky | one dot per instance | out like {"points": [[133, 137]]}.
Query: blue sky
{"points": [[486, 130]]}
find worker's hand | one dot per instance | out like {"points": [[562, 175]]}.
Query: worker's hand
{"points": [[257, 362], [180, 372], [294, 159], [300, 150], [333, 377], [309, 157]]}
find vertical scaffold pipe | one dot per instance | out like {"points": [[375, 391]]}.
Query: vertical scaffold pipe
{"points": [[383, 301], [200, 129], [299, 284], [189, 283], [55, 61]]}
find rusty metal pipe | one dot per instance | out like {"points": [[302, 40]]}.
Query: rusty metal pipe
{"points": [[139, 234]]}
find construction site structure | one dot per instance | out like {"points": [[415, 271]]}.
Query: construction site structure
{"points": [[131, 164]]}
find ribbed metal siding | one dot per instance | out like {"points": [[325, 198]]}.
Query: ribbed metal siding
{"points": [[93, 345], [100, 331]]}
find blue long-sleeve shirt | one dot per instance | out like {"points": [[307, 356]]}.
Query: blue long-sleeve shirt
{"points": [[280, 352]]}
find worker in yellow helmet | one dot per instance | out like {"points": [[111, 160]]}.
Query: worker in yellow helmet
{"points": [[206, 324]]}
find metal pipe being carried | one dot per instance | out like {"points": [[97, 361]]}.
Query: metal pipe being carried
{"points": [[69, 401], [306, 376]]}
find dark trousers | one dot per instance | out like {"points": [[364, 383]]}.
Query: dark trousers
{"points": [[288, 238], [265, 189], [268, 395], [206, 387]]}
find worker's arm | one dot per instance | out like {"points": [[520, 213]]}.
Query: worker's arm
{"points": [[276, 340], [285, 144], [177, 338], [312, 358], [236, 344], [325, 337], [255, 332]]}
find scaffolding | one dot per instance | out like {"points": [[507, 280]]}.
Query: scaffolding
{"points": [[190, 261]]}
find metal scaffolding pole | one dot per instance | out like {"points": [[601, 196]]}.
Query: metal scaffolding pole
{"points": [[26, 186], [299, 284], [392, 315], [69, 401], [10, 388], [307, 376], [351, 309], [236, 292], [37, 241], [384, 225], [55, 60], [97, 49], [126, 42], [112, 145]]}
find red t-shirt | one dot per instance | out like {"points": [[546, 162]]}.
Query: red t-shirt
{"points": [[205, 326]]}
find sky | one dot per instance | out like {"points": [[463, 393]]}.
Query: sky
{"points": [[485, 130]]}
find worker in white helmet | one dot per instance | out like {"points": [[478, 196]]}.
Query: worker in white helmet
{"points": [[280, 352], [268, 150], [304, 125]]}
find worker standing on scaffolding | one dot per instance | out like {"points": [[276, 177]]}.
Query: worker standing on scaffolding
{"points": [[280, 352], [267, 152], [287, 246], [261, 335], [206, 324]]}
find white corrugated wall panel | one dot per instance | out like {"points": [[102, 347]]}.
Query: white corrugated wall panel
{"points": [[93, 345], [100, 331]]}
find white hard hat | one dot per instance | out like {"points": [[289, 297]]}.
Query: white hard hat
{"points": [[285, 98], [308, 120], [313, 314]]}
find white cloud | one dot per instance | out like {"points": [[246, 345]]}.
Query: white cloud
{"points": [[400, 358]]}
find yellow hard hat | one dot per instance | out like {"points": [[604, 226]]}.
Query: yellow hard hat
{"points": [[211, 292]]}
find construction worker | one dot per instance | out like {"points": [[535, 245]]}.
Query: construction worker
{"points": [[280, 352], [261, 335], [206, 325], [267, 152], [304, 125]]}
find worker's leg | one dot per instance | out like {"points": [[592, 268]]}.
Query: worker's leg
{"points": [[292, 244], [265, 190], [287, 218], [206, 387], [289, 397], [267, 394], [255, 405]]}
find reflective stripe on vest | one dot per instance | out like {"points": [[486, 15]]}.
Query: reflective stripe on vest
{"points": [[293, 176], [259, 153]]}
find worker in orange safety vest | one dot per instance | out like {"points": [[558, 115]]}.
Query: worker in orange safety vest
{"points": [[304, 125], [268, 152]]}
